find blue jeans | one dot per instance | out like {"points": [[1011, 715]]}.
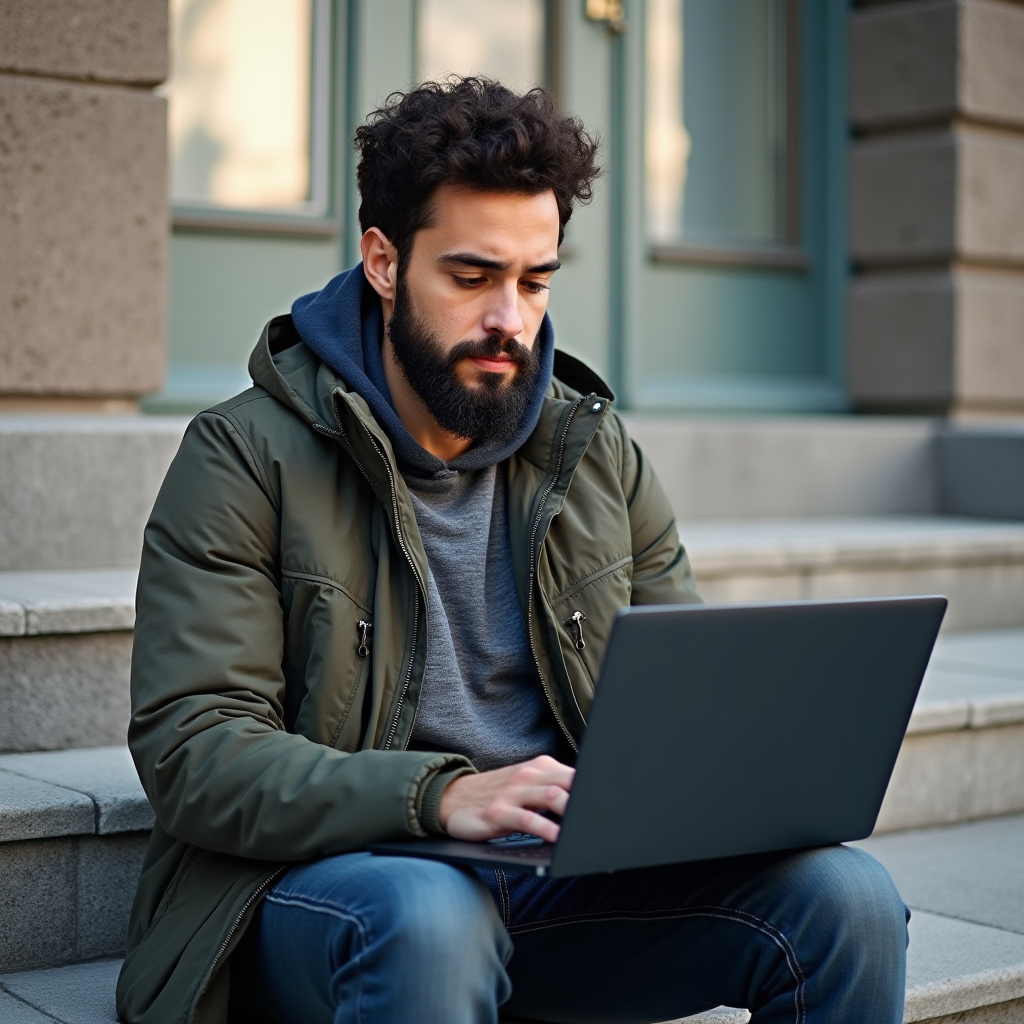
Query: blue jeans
{"points": [[810, 937]]}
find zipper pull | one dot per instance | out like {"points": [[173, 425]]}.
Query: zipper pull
{"points": [[365, 632], [577, 619]]}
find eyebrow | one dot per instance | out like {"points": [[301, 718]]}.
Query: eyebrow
{"points": [[472, 259]]}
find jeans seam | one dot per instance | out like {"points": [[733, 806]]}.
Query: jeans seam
{"points": [[333, 910], [722, 913], [506, 902]]}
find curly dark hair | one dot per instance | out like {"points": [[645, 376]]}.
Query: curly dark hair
{"points": [[473, 132]]}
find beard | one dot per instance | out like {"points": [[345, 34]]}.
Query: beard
{"points": [[490, 410]]}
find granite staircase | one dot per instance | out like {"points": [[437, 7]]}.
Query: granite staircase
{"points": [[770, 509]]}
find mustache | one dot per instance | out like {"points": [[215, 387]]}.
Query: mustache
{"points": [[491, 348]]}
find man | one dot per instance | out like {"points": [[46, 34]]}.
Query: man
{"points": [[375, 593]]}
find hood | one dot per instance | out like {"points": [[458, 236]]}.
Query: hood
{"points": [[343, 324]]}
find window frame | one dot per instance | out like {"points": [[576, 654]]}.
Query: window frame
{"points": [[318, 216], [790, 253]]}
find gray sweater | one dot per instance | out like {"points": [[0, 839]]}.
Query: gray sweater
{"points": [[481, 694]]}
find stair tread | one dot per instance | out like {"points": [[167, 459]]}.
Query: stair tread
{"points": [[67, 601], [43, 794], [974, 680], [786, 543]]}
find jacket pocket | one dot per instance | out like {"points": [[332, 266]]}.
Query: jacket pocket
{"points": [[585, 612], [328, 656]]}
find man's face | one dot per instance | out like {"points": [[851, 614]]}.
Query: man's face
{"points": [[468, 308]]}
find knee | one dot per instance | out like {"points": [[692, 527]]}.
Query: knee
{"points": [[854, 901]]}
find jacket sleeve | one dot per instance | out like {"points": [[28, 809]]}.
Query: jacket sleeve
{"points": [[207, 731], [661, 568]]}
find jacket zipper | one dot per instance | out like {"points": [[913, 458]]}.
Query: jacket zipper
{"points": [[340, 432], [575, 622], [264, 885], [533, 571]]}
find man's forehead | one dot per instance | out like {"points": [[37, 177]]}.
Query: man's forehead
{"points": [[493, 230]]}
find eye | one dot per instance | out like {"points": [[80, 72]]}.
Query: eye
{"points": [[535, 287], [469, 282]]}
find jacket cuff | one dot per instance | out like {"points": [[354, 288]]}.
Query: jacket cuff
{"points": [[428, 799]]}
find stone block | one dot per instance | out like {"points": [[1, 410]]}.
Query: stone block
{"points": [[37, 903], [32, 809], [934, 196], [912, 63], [82, 489], [106, 775], [59, 692], [108, 873], [96, 40], [788, 466], [83, 216], [936, 339], [981, 471], [903, 198], [78, 994], [991, 84], [989, 350], [903, 63], [901, 340], [990, 186]]}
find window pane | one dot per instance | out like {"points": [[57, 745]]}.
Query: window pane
{"points": [[503, 39], [240, 102], [716, 124]]}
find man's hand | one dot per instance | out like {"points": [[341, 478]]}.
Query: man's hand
{"points": [[505, 800]]}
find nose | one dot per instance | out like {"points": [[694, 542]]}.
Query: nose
{"points": [[502, 317]]}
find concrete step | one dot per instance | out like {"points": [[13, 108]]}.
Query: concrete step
{"points": [[965, 962], [77, 490], [73, 831], [978, 564], [963, 756], [65, 656]]}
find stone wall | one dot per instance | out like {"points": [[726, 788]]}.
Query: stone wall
{"points": [[936, 310], [83, 198]]}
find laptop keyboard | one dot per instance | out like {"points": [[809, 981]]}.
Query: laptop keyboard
{"points": [[523, 847]]}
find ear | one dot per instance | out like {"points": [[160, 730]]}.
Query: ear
{"points": [[380, 263]]}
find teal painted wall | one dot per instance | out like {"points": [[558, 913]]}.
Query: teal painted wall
{"points": [[224, 288]]}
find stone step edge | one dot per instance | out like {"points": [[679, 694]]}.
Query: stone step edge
{"points": [[975, 713], [71, 792], [72, 601]]}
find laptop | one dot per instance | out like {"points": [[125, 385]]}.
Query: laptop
{"points": [[721, 730]]}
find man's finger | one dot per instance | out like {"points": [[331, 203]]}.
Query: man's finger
{"points": [[549, 798]]}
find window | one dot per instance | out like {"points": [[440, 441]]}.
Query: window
{"points": [[247, 95], [719, 147], [503, 39]]}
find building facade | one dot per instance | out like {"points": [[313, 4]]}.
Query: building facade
{"points": [[806, 207]]}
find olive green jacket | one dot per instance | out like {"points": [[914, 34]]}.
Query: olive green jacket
{"points": [[263, 732]]}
